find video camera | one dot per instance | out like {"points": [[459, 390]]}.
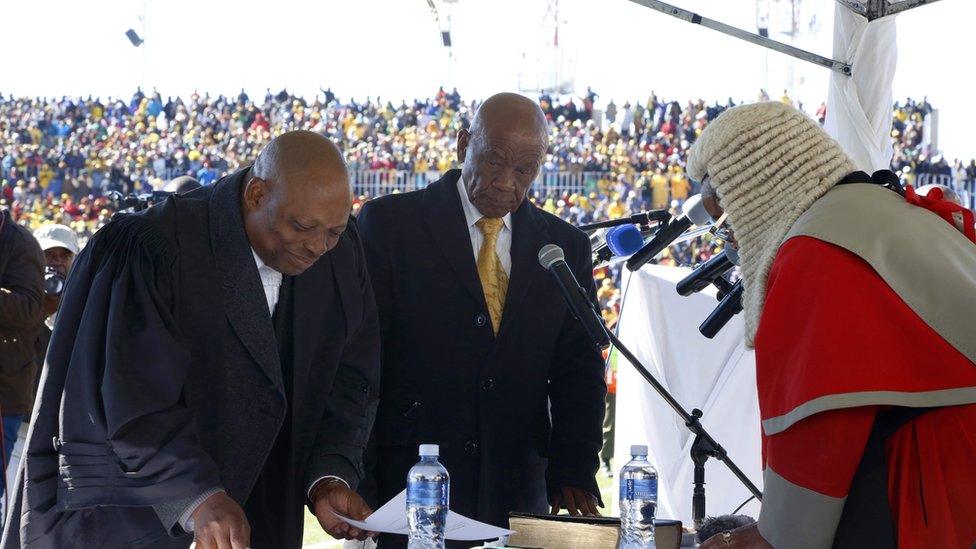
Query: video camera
{"points": [[131, 203]]}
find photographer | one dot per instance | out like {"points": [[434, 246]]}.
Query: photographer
{"points": [[21, 298], [60, 245]]}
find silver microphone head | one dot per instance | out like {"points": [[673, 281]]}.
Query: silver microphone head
{"points": [[549, 254], [694, 209]]}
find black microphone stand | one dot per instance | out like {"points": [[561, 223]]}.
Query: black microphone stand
{"points": [[702, 448]]}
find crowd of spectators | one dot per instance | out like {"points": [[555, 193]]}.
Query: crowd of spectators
{"points": [[913, 157], [62, 159]]}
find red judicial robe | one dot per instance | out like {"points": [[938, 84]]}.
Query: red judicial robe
{"points": [[835, 341]]}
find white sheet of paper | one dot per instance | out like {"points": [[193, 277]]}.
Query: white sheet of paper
{"points": [[391, 518]]}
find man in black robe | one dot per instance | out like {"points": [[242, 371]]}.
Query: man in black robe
{"points": [[214, 368]]}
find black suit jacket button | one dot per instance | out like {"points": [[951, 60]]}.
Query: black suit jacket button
{"points": [[471, 447], [480, 319], [412, 409], [488, 384]]}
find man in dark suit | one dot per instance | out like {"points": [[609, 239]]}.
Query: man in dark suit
{"points": [[214, 369], [480, 352]]}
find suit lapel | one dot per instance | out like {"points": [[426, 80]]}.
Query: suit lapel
{"points": [[528, 236], [243, 293], [448, 228]]}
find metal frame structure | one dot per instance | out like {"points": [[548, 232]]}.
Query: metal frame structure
{"points": [[876, 9], [694, 18], [871, 9]]}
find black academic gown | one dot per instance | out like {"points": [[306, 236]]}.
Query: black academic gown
{"points": [[164, 380]]}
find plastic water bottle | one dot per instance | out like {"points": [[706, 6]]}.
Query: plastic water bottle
{"points": [[428, 494], [638, 501]]}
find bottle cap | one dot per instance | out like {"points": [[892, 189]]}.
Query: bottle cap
{"points": [[638, 450], [429, 450]]}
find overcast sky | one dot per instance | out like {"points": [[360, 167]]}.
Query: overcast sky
{"points": [[393, 48]]}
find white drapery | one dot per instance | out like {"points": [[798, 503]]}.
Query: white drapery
{"points": [[717, 376], [859, 106]]}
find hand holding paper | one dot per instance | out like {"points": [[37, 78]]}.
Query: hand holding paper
{"points": [[331, 498]]}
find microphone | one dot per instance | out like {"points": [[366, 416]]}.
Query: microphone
{"points": [[640, 218], [619, 241], [730, 306], [692, 213], [552, 258], [708, 272]]}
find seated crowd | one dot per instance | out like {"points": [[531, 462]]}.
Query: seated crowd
{"points": [[63, 160]]}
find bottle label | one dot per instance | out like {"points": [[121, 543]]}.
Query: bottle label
{"points": [[427, 493], [633, 489]]}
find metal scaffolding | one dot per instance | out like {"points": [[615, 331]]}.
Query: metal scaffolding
{"points": [[871, 9]]}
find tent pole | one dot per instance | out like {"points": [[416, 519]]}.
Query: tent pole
{"points": [[690, 17]]}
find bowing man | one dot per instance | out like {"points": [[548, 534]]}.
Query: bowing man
{"points": [[213, 370]]}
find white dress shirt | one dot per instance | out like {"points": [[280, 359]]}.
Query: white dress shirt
{"points": [[271, 280], [503, 246]]}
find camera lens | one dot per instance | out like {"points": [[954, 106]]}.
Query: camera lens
{"points": [[53, 282]]}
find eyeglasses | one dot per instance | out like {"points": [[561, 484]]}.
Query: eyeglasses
{"points": [[721, 230]]}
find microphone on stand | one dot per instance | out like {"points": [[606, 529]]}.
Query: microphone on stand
{"points": [[708, 272], [729, 294], [640, 218], [552, 259], [730, 306], [619, 241], [692, 213]]}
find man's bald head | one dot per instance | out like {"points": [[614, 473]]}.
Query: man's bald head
{"points": [[297, 201], [503, 152], [511, 111], [298, 153]]}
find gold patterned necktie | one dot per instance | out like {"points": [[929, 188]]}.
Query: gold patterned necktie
{"points": [[494, 279]]}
